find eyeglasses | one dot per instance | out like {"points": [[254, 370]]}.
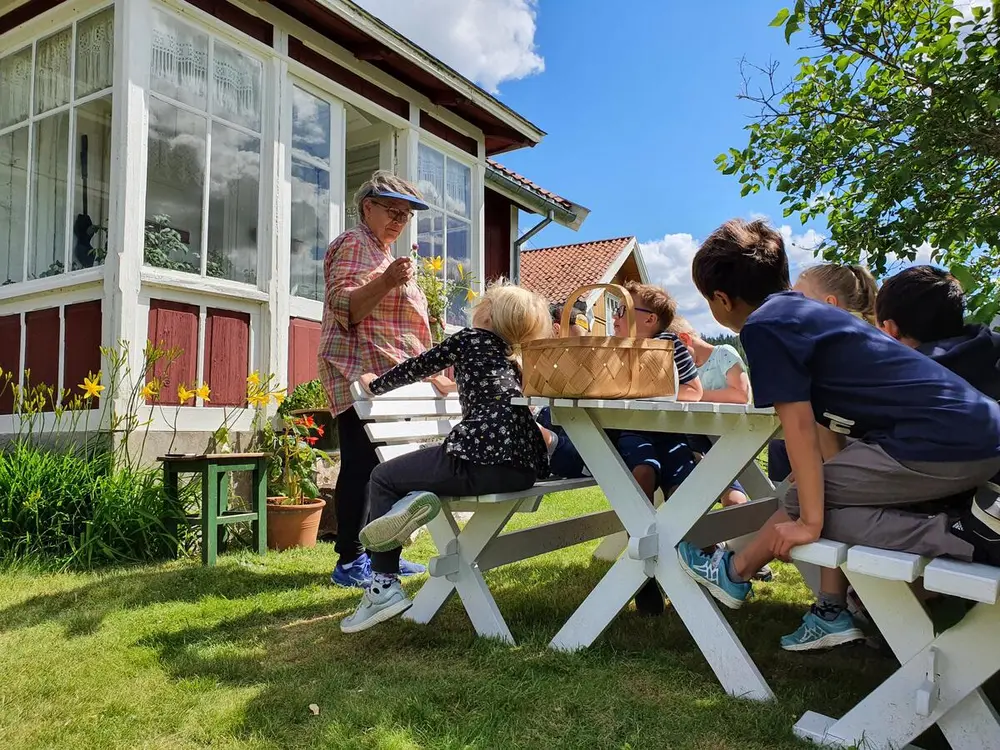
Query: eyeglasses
{"points": [[398, 215], [620, 311]]}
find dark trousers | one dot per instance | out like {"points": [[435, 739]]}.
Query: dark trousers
{"points": [[357, 460], [434, 470]]}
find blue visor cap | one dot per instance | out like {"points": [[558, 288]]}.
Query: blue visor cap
{"points": [[416, 203]]}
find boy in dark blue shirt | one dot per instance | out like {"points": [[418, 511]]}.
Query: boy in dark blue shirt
{"points": [[921, 432]]}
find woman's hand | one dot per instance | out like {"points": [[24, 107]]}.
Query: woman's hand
{"points": [[399, 273], [366, 381], [443, 385], [792, 534]]}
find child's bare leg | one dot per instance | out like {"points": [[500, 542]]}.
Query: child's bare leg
{"points": [[758, 552], [733, 497], [645, 476]]}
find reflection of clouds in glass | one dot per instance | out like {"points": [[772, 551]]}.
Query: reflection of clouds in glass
{"points": [[235, 157], [310, 228], [310, 126], [459, 188], [237, 86], [179, 61]]}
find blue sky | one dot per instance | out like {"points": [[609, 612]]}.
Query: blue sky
{"points": [[637, 98]]}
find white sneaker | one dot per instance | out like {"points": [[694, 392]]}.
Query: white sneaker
{"points": [[378, 604], [394, 528]]}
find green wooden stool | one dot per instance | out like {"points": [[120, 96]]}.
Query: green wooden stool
{"points": [[215, 513]]}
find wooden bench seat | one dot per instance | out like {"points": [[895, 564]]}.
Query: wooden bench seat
{"points": [[417, 417], [941, 674]]}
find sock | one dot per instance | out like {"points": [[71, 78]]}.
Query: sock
{"points": [[829, 606], [731, 569], [384, 580], [348, 565]]}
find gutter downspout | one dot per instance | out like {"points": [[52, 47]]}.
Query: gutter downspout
{"points": [[515, 270]]}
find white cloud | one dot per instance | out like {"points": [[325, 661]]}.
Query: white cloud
{"points": [[668, 261], [488, 41]]}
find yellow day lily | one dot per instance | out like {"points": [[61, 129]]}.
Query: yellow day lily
{"points": [[202, 392], [183, 394], [470, 295], [254, 378], [461, 271], [279, 397], [434, 264], [151, 390], [91, 386]]}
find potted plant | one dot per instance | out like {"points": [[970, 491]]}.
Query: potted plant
{"points": [[294, 506], [309, 400]]}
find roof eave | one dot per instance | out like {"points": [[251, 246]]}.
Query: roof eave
{"points": [[571, 218], [419, 56]]}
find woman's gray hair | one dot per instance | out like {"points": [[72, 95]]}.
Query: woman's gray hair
{"points": [[382, 181]]}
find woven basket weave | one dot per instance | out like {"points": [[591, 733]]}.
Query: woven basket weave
{"points": [[599, 366]]}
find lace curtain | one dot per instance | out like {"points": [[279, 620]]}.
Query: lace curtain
{"points": [[179, 61], [95, 53], [52, 63], [15, 87]]}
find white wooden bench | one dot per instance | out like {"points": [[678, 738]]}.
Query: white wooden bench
{"points": [[940, 678], [417, 416]]}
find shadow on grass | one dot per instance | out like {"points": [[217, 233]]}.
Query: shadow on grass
{"points": [[81, 610]]}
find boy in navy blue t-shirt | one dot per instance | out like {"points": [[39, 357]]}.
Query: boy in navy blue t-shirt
{"points": [[921, 433]]}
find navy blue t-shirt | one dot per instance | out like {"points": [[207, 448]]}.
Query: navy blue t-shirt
{"points": [[864, 384]]}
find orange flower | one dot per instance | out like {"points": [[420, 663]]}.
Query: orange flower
{"points": [[310, 422], [312, 440], [319, 430]]}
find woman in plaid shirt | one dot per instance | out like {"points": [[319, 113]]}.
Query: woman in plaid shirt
{"points": [[374, 317]]}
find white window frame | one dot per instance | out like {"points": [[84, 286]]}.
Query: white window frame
{"points": [[476, 187], [221, 32], [68, 18], [304, 307]]}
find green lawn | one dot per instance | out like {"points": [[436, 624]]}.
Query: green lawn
{"points": [[178, 656]]}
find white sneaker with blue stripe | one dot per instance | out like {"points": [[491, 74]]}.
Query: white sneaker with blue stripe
{"points": [[378, 604], [711, 571], [815, 633]]}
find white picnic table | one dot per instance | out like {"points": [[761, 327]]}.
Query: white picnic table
{"points": [[742, 432]]}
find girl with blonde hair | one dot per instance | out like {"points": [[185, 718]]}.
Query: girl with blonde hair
{"points": [[495, 448], [851, 288]]}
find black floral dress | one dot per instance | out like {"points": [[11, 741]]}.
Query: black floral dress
{"points": [[493, 432]]}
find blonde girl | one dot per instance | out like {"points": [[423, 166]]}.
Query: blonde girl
{"points": [[850, 288], [495, 448]]}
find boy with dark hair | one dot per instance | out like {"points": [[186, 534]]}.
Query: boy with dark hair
{"points": [[924, 308], [921, 432]]}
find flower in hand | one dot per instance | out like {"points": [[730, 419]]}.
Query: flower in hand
{"points": [[792, 534]]}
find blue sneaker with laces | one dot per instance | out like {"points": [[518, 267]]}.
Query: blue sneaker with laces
{"points": [[712, 572], [407, 568], [815, 633], [357, 576]]}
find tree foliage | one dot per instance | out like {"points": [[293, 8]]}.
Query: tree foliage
{"points": [[889, 131]]}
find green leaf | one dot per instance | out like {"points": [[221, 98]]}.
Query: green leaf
{"points": [[780, 18]]}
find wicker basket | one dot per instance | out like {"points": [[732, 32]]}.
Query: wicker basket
{"points": [[599, 366]]}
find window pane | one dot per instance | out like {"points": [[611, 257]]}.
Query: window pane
{"points": [[179, 61], [13, 201], [93, 173], [430, 175], [174, 186], [362, 163], [459, 188], [310, 127], [52, 71], [310, 229], [237, 87], [459, 264], [15, 87], [95, 53], [430, 234], [233, 205], [47, 246]]}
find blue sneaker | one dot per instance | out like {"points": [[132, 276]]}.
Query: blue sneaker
{"points": [[395, 528], [378, 604], [358, 576], [711, 571], [407, 568], [815, 633]]}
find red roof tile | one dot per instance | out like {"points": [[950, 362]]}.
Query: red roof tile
{"points": [[554, 272], [529, 185]]}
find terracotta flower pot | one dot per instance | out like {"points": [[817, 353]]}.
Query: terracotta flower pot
{"points": [[292, 525]]}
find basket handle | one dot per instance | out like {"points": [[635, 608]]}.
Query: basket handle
{"points": [[619, 291]]}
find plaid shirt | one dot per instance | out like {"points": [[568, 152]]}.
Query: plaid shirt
{"points": [[396, 329]]}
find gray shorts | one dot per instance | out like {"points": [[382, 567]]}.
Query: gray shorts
{"points": [[874, 500]]}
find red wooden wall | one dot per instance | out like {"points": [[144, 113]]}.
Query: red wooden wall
{"points": [[10, 359], [227, 352], [303, 348], [173, 325], [82, 348], [41, 347], [498, 239]]}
